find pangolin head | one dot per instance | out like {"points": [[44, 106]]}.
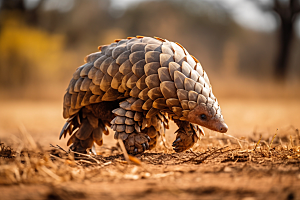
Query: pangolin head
{"points": [[208, 115]]}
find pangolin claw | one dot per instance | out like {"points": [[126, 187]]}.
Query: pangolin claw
{"points": [[147, 145], [148, 138], [177, 140], [144, 147], [93, 150], [63, 131]]}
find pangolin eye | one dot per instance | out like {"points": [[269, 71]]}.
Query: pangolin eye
{"points": [[203, 117]]}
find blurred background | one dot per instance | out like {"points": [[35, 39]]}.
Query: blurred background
{"points": [[250, 50]]}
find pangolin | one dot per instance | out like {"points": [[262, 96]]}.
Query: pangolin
{"points": [[135, 86]]}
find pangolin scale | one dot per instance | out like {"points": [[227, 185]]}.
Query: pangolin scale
{"points": [[135, 86]]}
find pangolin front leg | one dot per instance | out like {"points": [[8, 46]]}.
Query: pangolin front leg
{"points": [[127, 126], [131, 125], [186, 136]]}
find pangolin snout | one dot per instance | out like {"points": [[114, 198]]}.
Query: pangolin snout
{"points": [[222, 128]]}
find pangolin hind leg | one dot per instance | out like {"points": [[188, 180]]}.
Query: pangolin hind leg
{"points": [[90, 130], [186, 136], [88, 126]]}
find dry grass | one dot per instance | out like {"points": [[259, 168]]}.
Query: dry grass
{"points": [[32, 164]]}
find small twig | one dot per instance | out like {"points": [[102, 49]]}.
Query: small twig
{"points": [[193, 152], [273, 140], [239, 144], [291, 139], [219, 153], [86, 155], [236, 161], [121, 161], [211, 153], [235, 138], [194, 157], [201, 160], [58, 147], [123, 150], [58, 158], [264, 142], [85, 161], [257, 143], [61, 148]]}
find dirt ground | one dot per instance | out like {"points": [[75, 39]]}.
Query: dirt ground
{"points": [[218, 167]]}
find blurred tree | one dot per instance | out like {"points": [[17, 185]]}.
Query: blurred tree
{"points": [[13, 5], [287, 12], [31, 15]]}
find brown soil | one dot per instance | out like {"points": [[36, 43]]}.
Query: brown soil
{"points": [[218, 167]]}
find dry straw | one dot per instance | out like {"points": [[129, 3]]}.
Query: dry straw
{"points": [[33, 164]]}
